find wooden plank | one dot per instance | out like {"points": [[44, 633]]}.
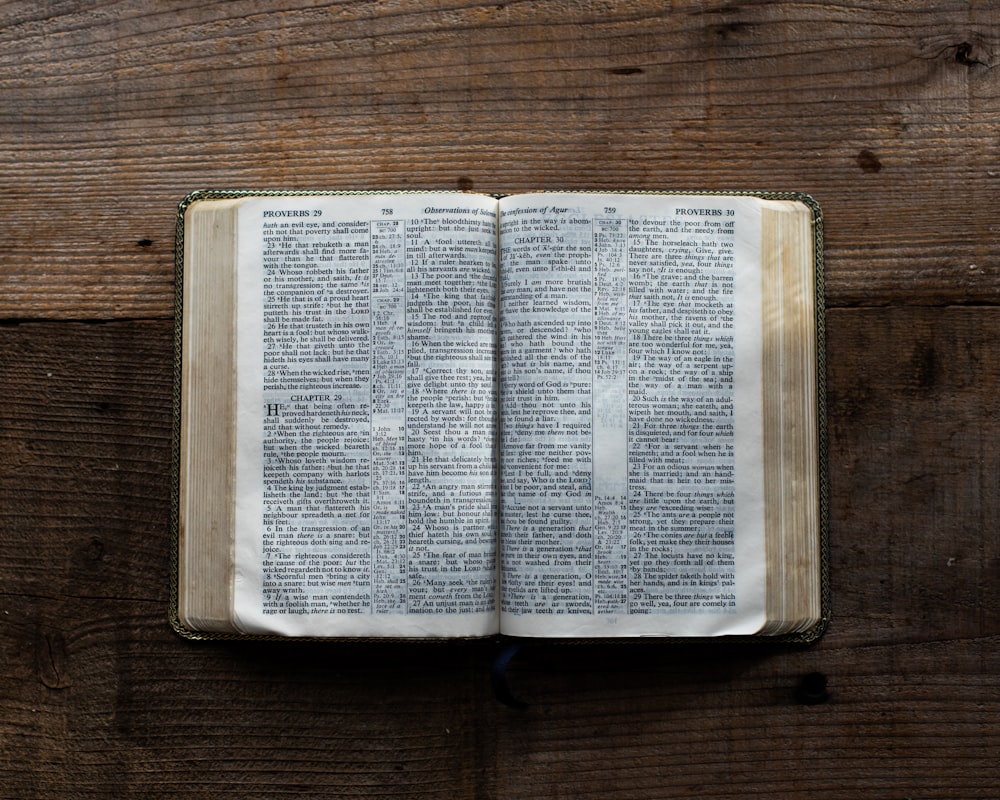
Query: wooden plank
{"points": [[910, 660], [647, 722], [111, 114], [101, 698], [915, 466]]}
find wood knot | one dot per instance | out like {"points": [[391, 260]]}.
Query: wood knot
{"points": [[731, 30], [95, 550], [868, 161], [811, 690], [50, 659], [965, 54]]}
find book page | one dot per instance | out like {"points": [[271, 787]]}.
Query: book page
{"points": [[631, 404], [366, 492]]}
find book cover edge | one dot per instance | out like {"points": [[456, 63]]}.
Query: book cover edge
{"points": [[810, 635]]}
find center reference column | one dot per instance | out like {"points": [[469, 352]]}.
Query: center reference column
{"points": [[450, 418], [388, 401]]}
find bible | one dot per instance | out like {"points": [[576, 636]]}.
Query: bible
{"points": [[552, 414]]}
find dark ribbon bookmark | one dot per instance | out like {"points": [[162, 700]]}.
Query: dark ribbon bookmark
{"points": [[498, 677]]}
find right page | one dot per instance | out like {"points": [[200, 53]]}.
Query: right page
{"points": [[631, 407]]}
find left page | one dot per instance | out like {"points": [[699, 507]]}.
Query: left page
{"points": [[366, 416]]}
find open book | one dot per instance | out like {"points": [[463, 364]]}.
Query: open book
{"points": [[452, 415]]}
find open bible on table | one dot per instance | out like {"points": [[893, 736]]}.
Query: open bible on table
{"points": [[456, 415]]}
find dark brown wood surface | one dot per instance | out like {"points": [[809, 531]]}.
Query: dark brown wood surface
{"points": [[888, 113]]}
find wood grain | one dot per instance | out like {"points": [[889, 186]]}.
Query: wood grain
{"points": [[111, 115], [886, 112]]}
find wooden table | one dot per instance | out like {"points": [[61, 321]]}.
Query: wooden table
{"points": [[888, 113]]}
